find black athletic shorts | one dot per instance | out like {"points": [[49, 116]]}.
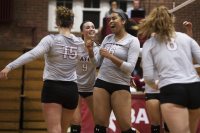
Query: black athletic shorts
{"points": [[186, 94], [61, 92], [151, 96], [110, 87], [85, 94]]}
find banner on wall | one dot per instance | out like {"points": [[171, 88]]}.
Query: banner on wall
{"points": [[139, 117]]}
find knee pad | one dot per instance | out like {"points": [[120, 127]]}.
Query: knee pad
{"points": [[155, 129], [99, 129], [129, 131], [75, 128], [166, 127]]}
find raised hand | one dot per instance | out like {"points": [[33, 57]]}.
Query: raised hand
{"points": [[188, 27], [187, 24], [89, 44]]}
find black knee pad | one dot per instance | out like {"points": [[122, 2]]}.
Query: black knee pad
{"points": [[155, 129], [129, 131], [75, 128], [99, 129], [166, 127]]}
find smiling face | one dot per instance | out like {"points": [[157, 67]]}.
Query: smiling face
{"points": [[88, 30], [116, 23]]}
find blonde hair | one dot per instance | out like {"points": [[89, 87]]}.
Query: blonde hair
{"points": [[160, 22], [64, 17]]}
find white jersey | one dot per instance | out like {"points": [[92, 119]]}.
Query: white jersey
{"points": [[86, 70], [60, 53], [149, 89], [172, 60], [126, 49]]}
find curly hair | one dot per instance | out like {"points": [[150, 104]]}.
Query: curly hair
{"points": [[64, 17], [160, 22]]}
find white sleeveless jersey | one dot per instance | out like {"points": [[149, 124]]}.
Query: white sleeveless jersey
{"points": [[126, 49], [172, 60], [86, 70], [60, 53]]}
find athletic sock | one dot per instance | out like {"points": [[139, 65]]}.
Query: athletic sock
{"points": [[155, 129], [129, 131], [75, 128], [99, 129]]}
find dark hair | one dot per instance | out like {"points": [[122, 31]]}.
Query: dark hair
{"points": [[131, 27], [129, 24], [121, 13], [64, 17], [81, 26], [111, 1]]}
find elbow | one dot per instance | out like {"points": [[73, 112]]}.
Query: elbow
{"points": [[127, 68]]}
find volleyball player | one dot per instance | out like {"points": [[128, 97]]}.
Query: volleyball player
{"points": [[60, 92], [86, 75], [170, 53], [118, 55]]}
